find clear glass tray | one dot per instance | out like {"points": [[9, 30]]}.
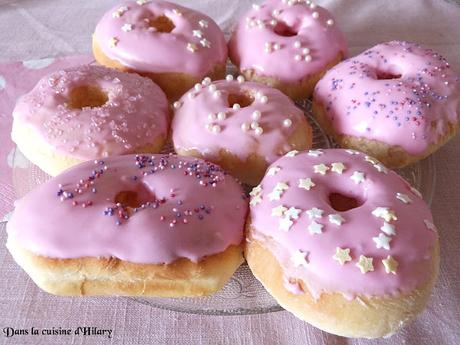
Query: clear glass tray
{"points": [[243, 294]]}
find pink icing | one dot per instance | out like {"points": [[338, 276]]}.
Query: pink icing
{"points": [[256, 45], [135, 114], [196, 124], [410, 245], [143, 49], [411, 110], [191, 209]]}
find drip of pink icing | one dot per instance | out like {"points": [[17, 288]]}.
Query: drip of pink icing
{"points": [[138, 46], [255, 43], [410, 246], [135, 114], [184, 199], [196, 124], [397, 92]]}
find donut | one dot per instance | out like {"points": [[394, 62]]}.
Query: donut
{"points": [[342, 242], [89, 112], [131, 225], [397, 101], [287, 45], [173, 45], [241, 126]]}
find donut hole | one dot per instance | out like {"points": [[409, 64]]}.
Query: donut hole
{"points": [[243, 99], [282, 29], [134, 198], [161, 24], [341, 202], [87, 96], [384, 75]]}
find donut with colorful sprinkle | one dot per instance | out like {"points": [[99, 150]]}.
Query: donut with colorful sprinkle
{"points": [[287, 44], [173, 45], [242, 126], [89, 112], [397, 101], [342, 242], [157, 225]]}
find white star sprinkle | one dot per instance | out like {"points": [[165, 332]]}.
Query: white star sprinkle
{"points": [[205, 43], [292, 213], [388, 228], [336, 219], [382, 241], [320, 169], [113, 42], [278, 211], [306, 183], [275, 195], [385, 213], [273, 170], [292, 153], [337, 167], [282, 186], [365, 264], [391, 265], [197, 33], [127, 27], [142, 2], [256, 197], [203, 23], [255, 200], [314, 213], [430, 225], [403, 198], [357, 177], [192, 47], [285, 224], [342, 255], [315, 153], [315, 228], [299, 258]]}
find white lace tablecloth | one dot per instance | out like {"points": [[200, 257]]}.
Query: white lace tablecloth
{"points": [[31, 29]]}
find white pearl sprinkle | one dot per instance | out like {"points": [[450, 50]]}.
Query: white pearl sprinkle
{"points": [[287, 122], [221, 115], [277, 46], [258, 131], [206, 81], [297, 57], [263, 99], [240, 79], [307, 58], [297, 44], [254, 124], [330, 22], [245, 126], [276, 12], [208, 126], [211, 116], [312, 5], [315, 15], [256, 7], [217, 94], [229, 77], [305, 51], [177, 105], [236, 106], [256, 115], [273, 22], [216, 129], [212, 88], [198, 87]]}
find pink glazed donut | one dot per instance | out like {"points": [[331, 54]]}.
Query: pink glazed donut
{"points": [[342, 242], [158, 225], [287, 44], [242, 126], [173, 45], [89, 112], [397, 101]]}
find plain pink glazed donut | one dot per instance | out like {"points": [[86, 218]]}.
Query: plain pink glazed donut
{"points": [[89, 112], [397, 101], [174, 45], [287, 44], [342, 242], [173, 225], [242, 126]]}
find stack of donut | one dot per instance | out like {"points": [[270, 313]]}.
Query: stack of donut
{"points": [[330, 233]]}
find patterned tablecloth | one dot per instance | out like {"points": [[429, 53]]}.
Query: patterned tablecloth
{"points": [[31, 30]]}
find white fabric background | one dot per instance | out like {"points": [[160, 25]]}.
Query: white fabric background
{"points": [[40, 28]]}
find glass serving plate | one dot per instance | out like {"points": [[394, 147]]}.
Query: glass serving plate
{"points": [[243, 294]]}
